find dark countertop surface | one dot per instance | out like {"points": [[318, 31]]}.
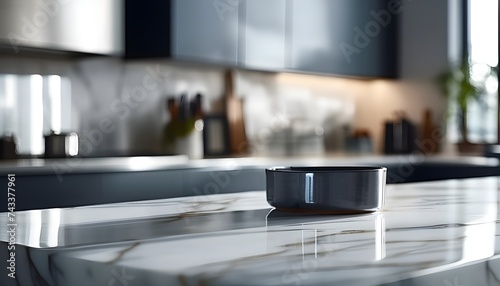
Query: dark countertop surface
{"points": [[180, 162]]}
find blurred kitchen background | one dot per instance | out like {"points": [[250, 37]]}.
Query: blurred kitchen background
{"points": [[241, 78]]}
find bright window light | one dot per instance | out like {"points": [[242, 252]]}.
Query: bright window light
{"points": [[55, 102], [482, 116], [36, 136]]}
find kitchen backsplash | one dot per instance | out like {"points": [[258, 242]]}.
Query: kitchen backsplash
{"points": [[120, 106]]}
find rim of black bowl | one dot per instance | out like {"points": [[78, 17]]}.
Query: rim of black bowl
{"points": [[326, 169]]}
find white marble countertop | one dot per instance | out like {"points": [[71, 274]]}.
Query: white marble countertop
{"points": [[433, 233]]}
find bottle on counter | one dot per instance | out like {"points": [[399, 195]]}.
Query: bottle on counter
{"points": [[427, 137]]}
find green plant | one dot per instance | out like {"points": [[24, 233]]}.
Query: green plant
{"points": [[178, 129], [461, 87]]}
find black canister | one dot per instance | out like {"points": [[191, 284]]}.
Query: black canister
{"points": [[400, 136], [339, 189], [8, 147]]}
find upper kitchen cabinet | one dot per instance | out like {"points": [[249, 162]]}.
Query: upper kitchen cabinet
{"points": [[344, 37], [262, 36], [205, 30], [233, 33], [148, 30], [84, 26], [193, 30]]}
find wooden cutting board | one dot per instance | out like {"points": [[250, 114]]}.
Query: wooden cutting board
{"points": [[234, 111]]}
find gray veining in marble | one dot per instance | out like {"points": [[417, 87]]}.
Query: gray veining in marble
{"points": [[434, 233]]}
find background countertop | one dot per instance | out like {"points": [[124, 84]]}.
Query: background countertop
{"points": [[178, 162]]}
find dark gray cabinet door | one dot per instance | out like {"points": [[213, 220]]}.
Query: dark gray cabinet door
{"points": [[205, 30], [262, 34], [346, 37]]}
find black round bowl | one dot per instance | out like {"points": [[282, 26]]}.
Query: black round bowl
{"points": [[337, 190]]}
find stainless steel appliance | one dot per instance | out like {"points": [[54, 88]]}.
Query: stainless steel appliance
{"points": [[61, 145], [87, 26]]}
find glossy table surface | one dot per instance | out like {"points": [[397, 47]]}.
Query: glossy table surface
{"points": [[433, 233]]}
